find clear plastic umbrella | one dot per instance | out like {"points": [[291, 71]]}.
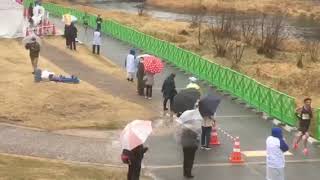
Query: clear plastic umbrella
{"points": [[189, 120], [28, 39]]}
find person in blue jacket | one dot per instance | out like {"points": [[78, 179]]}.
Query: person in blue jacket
{"points": [[276, 147]]}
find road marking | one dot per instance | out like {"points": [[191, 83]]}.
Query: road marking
{"points": [[261, 153], [238, 116], [230, 164]]}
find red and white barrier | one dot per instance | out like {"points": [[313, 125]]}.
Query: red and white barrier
{"points": [[42, 30]]}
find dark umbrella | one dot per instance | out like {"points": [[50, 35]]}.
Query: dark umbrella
{"points": [[208, 105], [185, 100]]}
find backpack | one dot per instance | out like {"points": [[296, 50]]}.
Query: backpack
{"points": [[125, 156]]}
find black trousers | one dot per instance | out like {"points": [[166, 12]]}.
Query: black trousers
{"points": [[188, 159], [72, 43], [148, 90], [165, 100], [94, 47], [134, 170]]}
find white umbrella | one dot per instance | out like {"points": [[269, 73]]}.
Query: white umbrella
{"points": [[135, 134], [190, 119], [28, 39], [68, 19]]}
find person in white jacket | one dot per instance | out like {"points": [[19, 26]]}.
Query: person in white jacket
{"points": [[96, 42], [131, 65], [276, 146]]}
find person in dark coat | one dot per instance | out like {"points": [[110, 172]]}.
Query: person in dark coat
{"points": [[30, 10], [169, 91], [189, 142], [140, 76], [66, 35], [135, 160], [72, 36], [99, 22], [34, 48]]}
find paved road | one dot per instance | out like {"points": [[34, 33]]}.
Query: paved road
{"points": [[232, 117]]}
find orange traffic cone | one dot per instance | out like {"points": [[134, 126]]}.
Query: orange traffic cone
{"points": [[27, 31], [25, 12], [53, 29], [40, 30], [236, 156], [214, 140]]}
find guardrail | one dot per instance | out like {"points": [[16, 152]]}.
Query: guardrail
{"points": [[276, 104]]}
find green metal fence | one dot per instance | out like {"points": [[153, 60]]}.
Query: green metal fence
{"points": [[265, 99]]}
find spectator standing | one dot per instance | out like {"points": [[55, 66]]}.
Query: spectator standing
{"points": [[99, 22], [149, 81], [169, 91], [206, 128], [276, 147], [96, 42], [140, 76], [34, 50], [130, 65], [72, 36], [135, 157]]}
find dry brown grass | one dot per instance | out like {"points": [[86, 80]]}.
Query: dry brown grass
{"points": [[13, 167], [293, 7], [55, 105]]}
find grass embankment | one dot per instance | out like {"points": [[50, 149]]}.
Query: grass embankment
{"points": [[14, 168], [305, 8], [53, 106]]}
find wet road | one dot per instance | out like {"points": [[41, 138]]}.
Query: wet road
{"points": [[164, 157]]}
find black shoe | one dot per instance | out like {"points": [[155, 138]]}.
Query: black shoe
{"points": [[165, 109], [33, 72], [189, 176]]}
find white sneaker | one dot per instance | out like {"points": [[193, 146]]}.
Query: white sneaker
{"points": [[202, 148], [208, 148], [146, 97], [150, 98]]}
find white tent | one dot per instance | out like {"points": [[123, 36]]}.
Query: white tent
{"points": [[12, 21]]}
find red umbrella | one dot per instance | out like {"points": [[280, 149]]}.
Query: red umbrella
{"points": [[152, 64]]}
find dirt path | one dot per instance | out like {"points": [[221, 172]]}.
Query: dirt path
{"points": [[99, 79]]}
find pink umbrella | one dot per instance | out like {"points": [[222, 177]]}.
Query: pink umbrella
{"points": [[135, 134], [152, 64]]}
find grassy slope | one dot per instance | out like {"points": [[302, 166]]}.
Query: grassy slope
{"points": [[56, 105], [18, 168]]}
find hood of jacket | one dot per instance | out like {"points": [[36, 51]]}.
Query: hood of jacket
{"points": [[276, 132]]}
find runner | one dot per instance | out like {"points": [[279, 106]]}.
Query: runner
{"points": [[305, 115]]}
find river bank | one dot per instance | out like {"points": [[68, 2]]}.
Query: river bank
{"points": [[294, 8]]}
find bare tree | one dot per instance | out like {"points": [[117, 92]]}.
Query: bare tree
{"points": [[199, 12], [313, 50], [272, 34], [222, 32], [248, 28], [237, 49], [141, 7]]}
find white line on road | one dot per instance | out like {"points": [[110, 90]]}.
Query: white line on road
{"points": [[230, 164]]}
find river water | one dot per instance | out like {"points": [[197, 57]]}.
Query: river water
{"points": [[300, 27]]}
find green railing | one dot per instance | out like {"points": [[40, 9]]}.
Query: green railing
{"points": [[263, 98]]}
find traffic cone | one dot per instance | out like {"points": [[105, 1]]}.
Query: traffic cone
{"points": [[25, 12], [27, 31], [214, 140], [53, 29], [236, 156], [40, 30]]}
